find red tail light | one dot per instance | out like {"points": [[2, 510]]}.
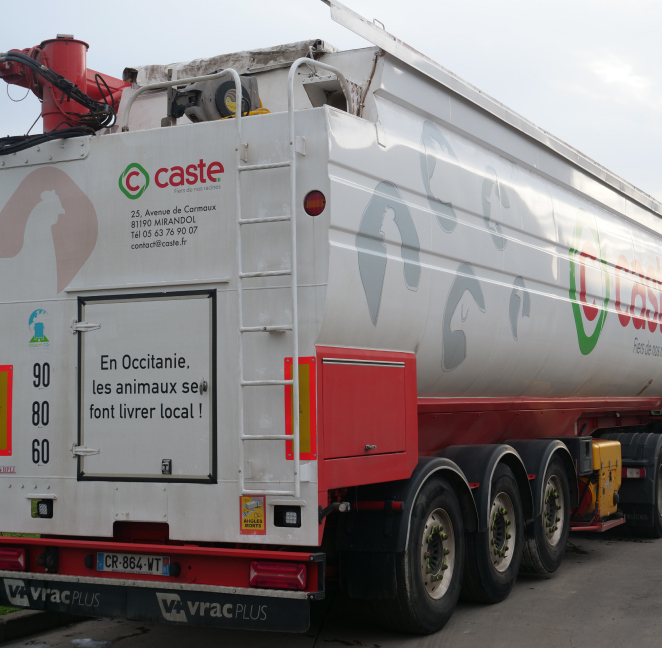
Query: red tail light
{"points": [[314, 203], [12, 559], [278, 575], [633, 473]]}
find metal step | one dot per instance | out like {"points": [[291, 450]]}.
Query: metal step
{"points": [[269, 492], [267, 219], [266, 329], [264, 383], [267, 273], [260, 167]]}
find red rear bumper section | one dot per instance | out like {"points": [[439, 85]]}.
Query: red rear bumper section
{"points": [[230, 588]]}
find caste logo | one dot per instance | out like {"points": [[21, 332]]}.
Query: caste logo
{"points": [[134, 180], [586, 260], [38, 323]]}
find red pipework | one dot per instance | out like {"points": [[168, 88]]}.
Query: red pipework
{"points": [[66, 56]]}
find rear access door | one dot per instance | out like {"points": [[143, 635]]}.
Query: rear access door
{"points": [[146, 382]]}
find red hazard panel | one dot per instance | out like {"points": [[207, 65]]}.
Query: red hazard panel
{"points": [[6, 379], [364, 407]]}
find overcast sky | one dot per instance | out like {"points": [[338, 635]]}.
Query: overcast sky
{"points": [[588, 71]]}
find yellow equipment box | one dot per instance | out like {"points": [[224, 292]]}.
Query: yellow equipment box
{"points": [[607, 461]]}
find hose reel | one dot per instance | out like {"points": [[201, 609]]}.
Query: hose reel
{"points": [[212, 100]]}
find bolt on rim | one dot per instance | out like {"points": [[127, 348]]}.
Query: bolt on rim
{"points": [[437, 554], [553, 504], [502, 532]]}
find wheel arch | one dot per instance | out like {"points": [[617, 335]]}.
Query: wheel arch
{"points": [[388, 531], [537, 454], [478, 463]]}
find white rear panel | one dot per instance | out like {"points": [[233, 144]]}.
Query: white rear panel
{"points": [[80, 240]]}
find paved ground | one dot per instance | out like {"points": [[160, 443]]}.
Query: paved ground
{"points": [[607, 593]]}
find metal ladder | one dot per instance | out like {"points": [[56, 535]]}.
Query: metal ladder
{"points": [[292, 272]]}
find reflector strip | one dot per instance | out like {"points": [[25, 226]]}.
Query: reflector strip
{"points": [[278, 575], [6, 380], [12, 559], [307, 409]]}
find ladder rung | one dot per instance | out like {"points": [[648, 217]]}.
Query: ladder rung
{"points": [[269, 492], [259, 167], [268, 219], [266, 437], [265, 329], [268, 273], [263, 383]]}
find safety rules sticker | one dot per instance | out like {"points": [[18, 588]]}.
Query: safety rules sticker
{"points": [[253, 521], [6, 372]]}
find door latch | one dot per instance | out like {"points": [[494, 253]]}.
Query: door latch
{"points": [[83, 451], [84, 327]]}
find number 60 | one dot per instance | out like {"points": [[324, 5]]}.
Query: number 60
{"points": [[41, 450]]}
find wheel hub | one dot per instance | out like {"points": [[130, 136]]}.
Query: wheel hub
{"points": [[552, 511], [502, 532], [437, 553]]}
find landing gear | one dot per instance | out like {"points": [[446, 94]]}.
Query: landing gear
{"points": [[545, 545], [493, 556], [429, 572]]}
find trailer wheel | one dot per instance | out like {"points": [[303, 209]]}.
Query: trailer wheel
{"points": [[656, 510], [429, 573], [493, 556], [544, 551]]}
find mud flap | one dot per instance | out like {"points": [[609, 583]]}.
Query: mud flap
{"points": [[187, 607]]}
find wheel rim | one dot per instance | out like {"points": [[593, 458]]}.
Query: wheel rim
{"points": [[503, 533], [437, 553], [553, 506], [659, 492]]}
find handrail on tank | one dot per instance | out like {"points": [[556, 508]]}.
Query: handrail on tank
{"points": [[290, 86], [175, 82]]}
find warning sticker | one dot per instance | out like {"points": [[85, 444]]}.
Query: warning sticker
{"points": [[253, 520], [6, 372]]}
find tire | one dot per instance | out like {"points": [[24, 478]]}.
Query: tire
{"points": [[544, 545], [424, 604], [655, 531], [491, 569]]}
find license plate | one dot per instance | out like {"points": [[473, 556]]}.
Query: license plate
{"points": [[133, 564]]}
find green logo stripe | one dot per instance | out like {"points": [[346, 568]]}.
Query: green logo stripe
{"points": [[122, 181], [586, 342]]}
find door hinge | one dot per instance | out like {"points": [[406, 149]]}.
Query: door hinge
{"points": [[84, 327], [83, 451]]}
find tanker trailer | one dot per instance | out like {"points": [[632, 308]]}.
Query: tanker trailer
{"points": [[295, 314]]}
